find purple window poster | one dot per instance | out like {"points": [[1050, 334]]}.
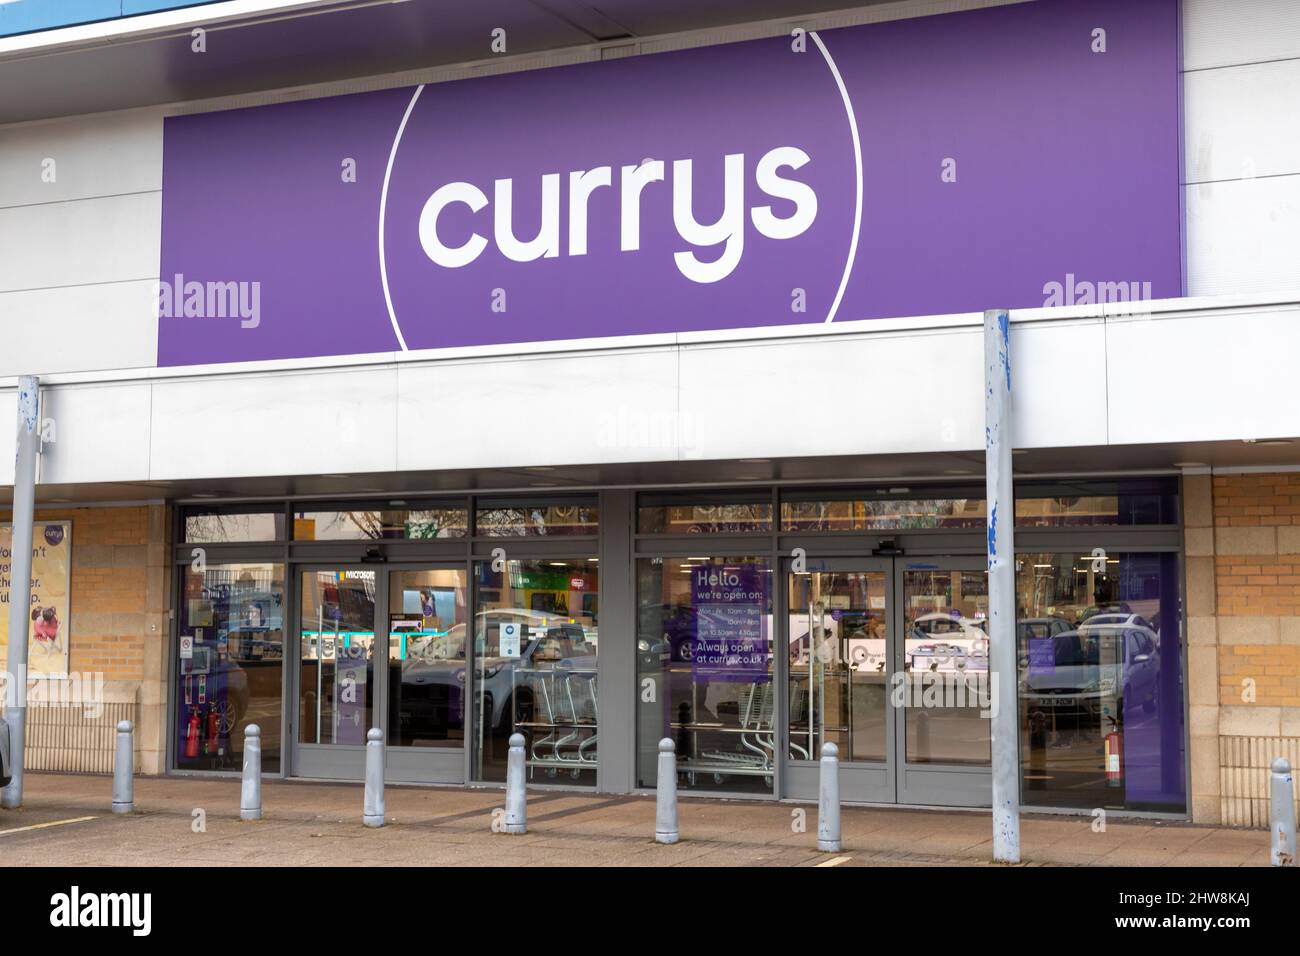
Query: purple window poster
{"points": [[940, 164], [1042, 656], [731, 623], [350, 688]]}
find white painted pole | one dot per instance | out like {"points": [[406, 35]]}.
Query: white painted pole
{"points": [[20, 579], [1002, 586]]}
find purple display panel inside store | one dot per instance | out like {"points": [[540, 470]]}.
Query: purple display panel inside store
{"points": [[731, 643], [926, 166]]}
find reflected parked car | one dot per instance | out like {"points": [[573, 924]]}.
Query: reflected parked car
{"points": [[548, 641], [947, 642], [1085, 669], [1040, 627]]}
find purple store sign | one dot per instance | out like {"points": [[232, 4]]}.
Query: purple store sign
{"points": [[942, 164]]}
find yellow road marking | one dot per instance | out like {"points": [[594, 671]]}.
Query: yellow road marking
{"points": [[42, 826], [836, 861]]}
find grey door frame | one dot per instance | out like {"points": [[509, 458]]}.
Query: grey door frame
{"points": [[893, 780], [324, 761], [445, 765], [933, 784], [437, 765], [860, 781]]}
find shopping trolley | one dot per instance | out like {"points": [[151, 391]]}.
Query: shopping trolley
{"points": [[754, 753], [565, 717]]}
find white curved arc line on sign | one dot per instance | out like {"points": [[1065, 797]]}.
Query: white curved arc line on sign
{"points": [[383, 206], [857, 162]]}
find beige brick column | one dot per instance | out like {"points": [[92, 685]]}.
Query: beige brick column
{"points": [[1257, 592], [152, 738], [1202, 649]]}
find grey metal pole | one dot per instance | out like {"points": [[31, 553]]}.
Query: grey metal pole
{"points": [[1002, 585], [124, 770], [20, 578], [516, 821], [828, 801], [666, 794], [373, 808], [1281, 817], [250, 791]]}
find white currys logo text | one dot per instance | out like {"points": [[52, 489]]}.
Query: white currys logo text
{"points": [[727, 231]]}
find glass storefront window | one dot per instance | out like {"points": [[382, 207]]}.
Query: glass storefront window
{"points": [[337, 667], [1100, 686], [838, 513], [838, 654], [232, 524], [510, 518], [535, 648], [1124, 502], [946, 658], [704, 662], [374, 524], [711, 514], [427, 616], [230, 667]]}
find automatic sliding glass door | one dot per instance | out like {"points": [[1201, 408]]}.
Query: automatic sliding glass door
{"points": [[410, 680], [944, 694], [837, 687], [336, 669], [427, 674]]}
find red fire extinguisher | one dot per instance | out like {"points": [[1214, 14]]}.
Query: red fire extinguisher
{"points": [[1115, 759], [192, 732], [214, 725]]}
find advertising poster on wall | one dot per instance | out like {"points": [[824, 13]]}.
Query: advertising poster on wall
{"points": [[47, 634], [730, 643]]}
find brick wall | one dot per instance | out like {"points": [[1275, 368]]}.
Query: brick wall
{"points": [[1243, 572], [117, 620]]}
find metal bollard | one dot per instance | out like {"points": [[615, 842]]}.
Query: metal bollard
{"points": [[250, 792], [1281, 817], [516, 821], [373, 808], [666, 794], [124, 771], [828, 801]]}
